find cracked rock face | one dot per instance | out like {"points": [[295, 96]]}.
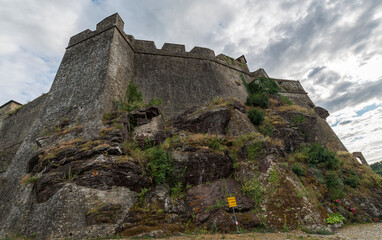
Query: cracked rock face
{"points": [[203, 120], [80, 186]]}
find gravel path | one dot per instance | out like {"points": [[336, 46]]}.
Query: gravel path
{"points": [[361, 231], [372, 231]]}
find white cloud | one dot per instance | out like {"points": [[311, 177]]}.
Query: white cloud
{"points": [[361, 133], [290, 39], [33, 38]]}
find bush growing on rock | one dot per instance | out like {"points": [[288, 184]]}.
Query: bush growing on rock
{"points": [[298, 169], [263, 84], [161, 165], [215, 143], [352, 181], [377, 168], [256, 116], [318, 154], [335, 218], [334, 185], [258, 91], [286, 100], [258, 100]]}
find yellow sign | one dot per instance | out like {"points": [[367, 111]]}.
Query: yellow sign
{"points": [[232, 202]]}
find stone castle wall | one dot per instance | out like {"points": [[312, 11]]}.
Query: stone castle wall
{"points": [[98, 65], [180, 79], [95, 71], [295, 92]]}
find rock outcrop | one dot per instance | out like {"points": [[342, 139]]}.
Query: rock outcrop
{"points": [[87, 160]]}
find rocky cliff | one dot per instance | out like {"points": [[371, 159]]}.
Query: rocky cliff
{"points": [[133, 140]]}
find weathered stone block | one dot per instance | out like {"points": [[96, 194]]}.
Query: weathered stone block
{"points": [[113, 20]]}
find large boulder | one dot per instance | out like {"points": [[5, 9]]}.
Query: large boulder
{"points": [[201, 165], [204, 120]]}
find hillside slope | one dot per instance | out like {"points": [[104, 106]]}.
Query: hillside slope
{"points": [[146, 175]]}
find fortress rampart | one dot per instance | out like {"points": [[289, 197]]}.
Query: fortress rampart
{"points": [[98, 65], [95, 71], [181, 79]]}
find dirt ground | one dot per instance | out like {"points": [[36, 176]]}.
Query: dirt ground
{"points": [[372, 231]]}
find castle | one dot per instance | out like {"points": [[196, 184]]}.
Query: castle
{"points": [[95, 71], [98, 65]]}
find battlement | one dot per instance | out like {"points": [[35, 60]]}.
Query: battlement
{"points": [[179, 50], [112, 21], [143, 46], [149, 47]]}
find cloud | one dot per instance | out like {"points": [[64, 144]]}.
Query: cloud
{"points": [[333, 47], [315, 71], [361, 133], [359, 94], [32, 42]]}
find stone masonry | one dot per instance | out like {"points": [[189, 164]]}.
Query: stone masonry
{"points": [[95, 71]]}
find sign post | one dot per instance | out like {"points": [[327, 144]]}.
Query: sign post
{"points": [[232, 204]]}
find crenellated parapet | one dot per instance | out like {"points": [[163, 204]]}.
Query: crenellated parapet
{"points": [[110, 22], [149, 47], [179, 50]]}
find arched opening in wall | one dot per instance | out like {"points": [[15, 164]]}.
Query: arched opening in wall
{"points": [[359, 160]]}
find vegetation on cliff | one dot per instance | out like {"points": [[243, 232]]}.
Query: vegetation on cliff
{"points": [[179, 172], [377, 168]]}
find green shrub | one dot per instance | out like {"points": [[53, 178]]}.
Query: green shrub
{"points": [[161, 165], [263, 84], [258, 100], [266, 129], [155, 102], [298, 169], [177, 191], [298, 119], [133, 94], [252, 188], [318, 174], [286, 100], [269, 85], [334, 185], [141, 196], [377, 168], [255, 87], [256, 116], [258, 91], [132, 99], [352, 181], [319, 154], [215, 143], [244, 82], [254, 150], [335, 218]]}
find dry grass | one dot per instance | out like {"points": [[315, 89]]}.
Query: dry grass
{"points": [[77, 128], [275, 120], [291, 108], [275, 141]]}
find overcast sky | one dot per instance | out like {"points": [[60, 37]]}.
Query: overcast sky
{"points": [[332, 47]]}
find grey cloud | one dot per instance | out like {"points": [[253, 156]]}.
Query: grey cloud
{"points": [[300, 39], [286, 5], [315, 71], [345, 122], [318, 34], [359, 94], [328, 78], [342, 86]]}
